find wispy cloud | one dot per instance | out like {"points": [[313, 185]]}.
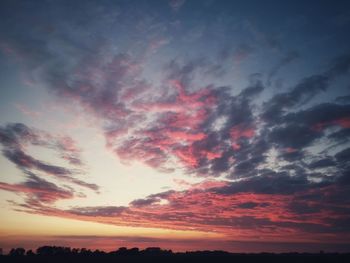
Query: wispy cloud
{"points": [[15, 139]]}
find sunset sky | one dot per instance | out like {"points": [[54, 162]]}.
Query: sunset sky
{"points": [[188, 125]]}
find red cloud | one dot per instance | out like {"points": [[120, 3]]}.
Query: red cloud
{"points": [[47, 193], [239, 131], [185, 136], [342, 122], [240, 216], [187, 156], [180, 119]]}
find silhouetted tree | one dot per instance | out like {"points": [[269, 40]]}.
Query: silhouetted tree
{"points": [[54, 254], [85, 251], [44, 251], [48, 250], [75, 251], [154, 251], [17, 251]]}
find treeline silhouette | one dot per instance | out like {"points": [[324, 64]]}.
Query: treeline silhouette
{"points": [[156, 254]]}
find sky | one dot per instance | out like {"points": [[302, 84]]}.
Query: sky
{"points": [[187, 125]]}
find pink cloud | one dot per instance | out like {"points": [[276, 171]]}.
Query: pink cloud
{"points": [[342, 122], [179, 118], [43, 193], [239, 216], [26, 111], [237, 132]]}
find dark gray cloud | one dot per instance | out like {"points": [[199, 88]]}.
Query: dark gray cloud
{"points": [[296, 136], [339, 66], [343, 99], [320, 116], [288, 58], [270, 182], [300, 94], [248, 205], [254, 90], [345, 177], [343, 156], [16, 137], [38, 189], [24, 161], [322, 163], [342, 135], [306, 90], [144, 202]]}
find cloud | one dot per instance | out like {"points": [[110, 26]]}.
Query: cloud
{"points": [[176, 4], [243, 209], [288, 58], [26, 111], [294, 136], [282, 158], [38, 189], [144, 202], [343, 99], [241, 52], [300, 94], [298, 130], [343, 156], [172, 129], [253, 90], [271, 182], [305, 90], [342, 135], [16, 137], [322, 116], [322, 163], [25, 161], [100, 211]]}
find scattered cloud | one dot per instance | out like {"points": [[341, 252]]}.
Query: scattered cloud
{"points": [[15, 138]]}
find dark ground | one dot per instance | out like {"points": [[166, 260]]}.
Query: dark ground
{"points": [[66, 255]]}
